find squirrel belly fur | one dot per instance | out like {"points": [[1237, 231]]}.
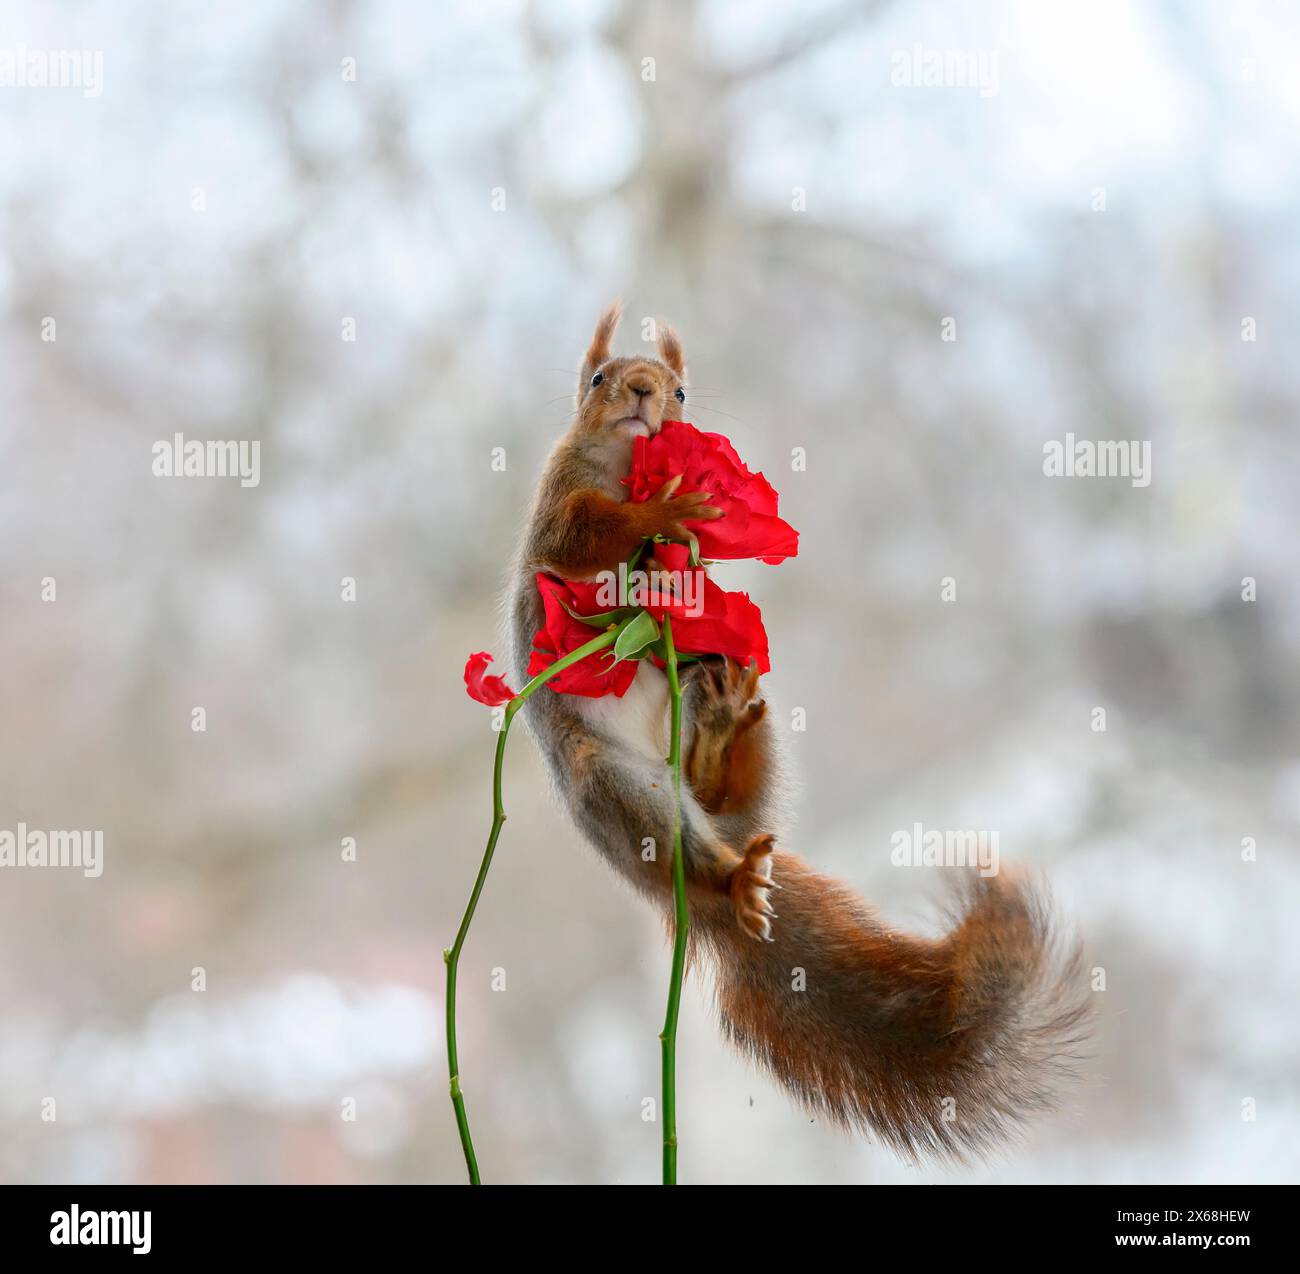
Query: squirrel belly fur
{"points": [[943, 1046]]}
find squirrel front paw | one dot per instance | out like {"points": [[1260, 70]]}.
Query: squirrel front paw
{"points": [[749, 886], [664, 513]]}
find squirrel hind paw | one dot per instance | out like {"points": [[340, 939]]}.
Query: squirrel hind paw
{"points": [[728, 695], [750, 886]]}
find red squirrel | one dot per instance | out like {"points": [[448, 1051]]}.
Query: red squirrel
{"points": [[943, 1046]]}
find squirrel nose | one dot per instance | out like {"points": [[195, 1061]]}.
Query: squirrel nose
{"points": [[640, 388]]}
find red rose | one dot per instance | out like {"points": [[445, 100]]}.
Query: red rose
{"points": [[597, 674], [707, 620], [749, 526], [727, 623], [488, 689]]}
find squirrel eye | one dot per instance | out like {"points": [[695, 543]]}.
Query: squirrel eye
{"points": [[596, 379], [680, 394]]}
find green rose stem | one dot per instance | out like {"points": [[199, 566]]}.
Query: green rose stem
{"points": [[452, 955], [681, 919]]}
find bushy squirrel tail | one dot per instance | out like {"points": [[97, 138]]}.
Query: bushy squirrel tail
{"points": [[942, 1047]]}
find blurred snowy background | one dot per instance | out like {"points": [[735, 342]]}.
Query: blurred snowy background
{"points": [[1099, 219]]}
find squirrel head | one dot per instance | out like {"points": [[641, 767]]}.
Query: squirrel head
{"points": [[621, 398]]}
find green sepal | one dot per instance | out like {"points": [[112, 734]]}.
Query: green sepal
{"points": [[659, 650], [635, 636], [606, 619]]}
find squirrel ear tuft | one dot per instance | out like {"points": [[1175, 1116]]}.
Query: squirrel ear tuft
{"points": [[599, 349], [670, 350]]}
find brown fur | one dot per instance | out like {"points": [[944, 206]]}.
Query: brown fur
{"points": [[582, 522], [670, 350], [945, 1046], [940, 1046], [727, 756], [598, 351]]}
